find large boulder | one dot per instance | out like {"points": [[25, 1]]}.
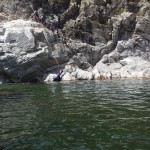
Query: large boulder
{"points": [[27, 50]]}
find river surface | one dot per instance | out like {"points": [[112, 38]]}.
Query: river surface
{"points": [[85, 115]]}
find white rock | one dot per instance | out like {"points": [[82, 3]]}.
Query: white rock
{"points": [[84, 75], [96, 74], [49, 78], [68, 77]]}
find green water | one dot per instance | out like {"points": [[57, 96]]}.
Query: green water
{"points": [[86, 115]]}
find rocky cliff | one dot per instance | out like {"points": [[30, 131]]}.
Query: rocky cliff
{"points": [[103, 39]]}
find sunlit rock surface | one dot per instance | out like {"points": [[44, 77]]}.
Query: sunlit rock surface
{"points": [[104, 40]]}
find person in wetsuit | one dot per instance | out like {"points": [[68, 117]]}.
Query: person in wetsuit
{"points": [[42, 17], [35, 16], [59, 76]]}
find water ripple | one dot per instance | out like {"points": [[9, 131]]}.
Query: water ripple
{"points": [[86, 115]]}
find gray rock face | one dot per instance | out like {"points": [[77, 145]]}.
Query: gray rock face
{"points": [[27, 50], [101, 36]]}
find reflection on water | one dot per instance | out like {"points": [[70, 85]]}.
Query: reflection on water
{"points": [[86, 115], [3, 92]]}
